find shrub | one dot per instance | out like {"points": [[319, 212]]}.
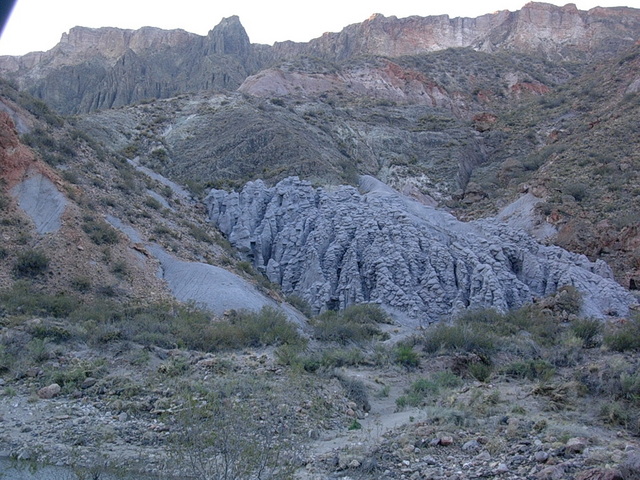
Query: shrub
{"points": [[406, 356], [242, 329], [31, 263], [81, 284], [579, 191], [625, 337], [222, 438], [6, 359], [341, 357], [23, 298], [588, 330], [152, 203], [356, 391], [462, 337], [418, 392], [100, 232], [529, 369], [568, 299], [300, 304], [480, 371], [357, 323], [365, 313]]}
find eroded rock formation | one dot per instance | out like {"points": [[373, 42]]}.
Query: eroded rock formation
{"points": [[343, 246]]}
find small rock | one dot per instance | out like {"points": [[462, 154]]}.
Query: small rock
{"points": [[471, 445], [50, 391], [576, 445], [483, 456], [445, 441], [502, 468], [541, 456], [599, 474], [88, 382], [555, 472]]}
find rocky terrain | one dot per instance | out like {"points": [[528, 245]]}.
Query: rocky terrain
{"points": [[344, 247], [404, 250]]}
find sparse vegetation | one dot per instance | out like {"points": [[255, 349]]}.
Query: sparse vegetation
{"points": [[31, 264], [355, 324], [100, 232]]}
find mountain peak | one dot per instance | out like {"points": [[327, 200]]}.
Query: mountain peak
{"points": [[230, 38]]}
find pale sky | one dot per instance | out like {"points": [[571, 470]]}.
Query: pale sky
{"points": [[37, 25]]}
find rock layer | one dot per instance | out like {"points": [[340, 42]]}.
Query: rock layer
{"points": [[342, 246]]}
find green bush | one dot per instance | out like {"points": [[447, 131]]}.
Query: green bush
{"points": [[568, 299], [461, 337], [481, 371], [355, 324], [424, 388], [300, 304], [577, 190], [588, 330], [406, 356], [624, 337], [529, 369], [7, 360], [356, 391], [23, 298], [31, 263], [100, 232], [341, 357], [81, 284], [241, 329], [152, 203]]}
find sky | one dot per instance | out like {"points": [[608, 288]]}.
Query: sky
{"points": [[37, 25]]}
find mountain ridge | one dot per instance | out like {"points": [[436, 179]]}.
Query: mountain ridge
{"points": [[560, 33]]}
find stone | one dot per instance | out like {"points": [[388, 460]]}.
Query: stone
{"points": [[483, 456], [554, 472], [446, 441], [576, 445], [88, 383], [471, 445], [630, 466], [541, 456], [49, 391], [344, 246], [600, 474]]}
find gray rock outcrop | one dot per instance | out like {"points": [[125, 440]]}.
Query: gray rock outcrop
{"points": [[341, 246], [41, 200]]}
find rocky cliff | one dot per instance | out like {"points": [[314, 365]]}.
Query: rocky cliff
{"points": [[557, 32], [94, 69], [337, 247]]}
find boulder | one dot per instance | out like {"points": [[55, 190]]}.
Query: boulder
{"points": [[49, 391]]}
